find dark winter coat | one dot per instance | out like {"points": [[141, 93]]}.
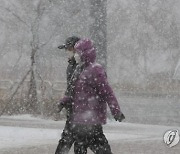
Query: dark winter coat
{"points": [[69, 72], [92, 92]]}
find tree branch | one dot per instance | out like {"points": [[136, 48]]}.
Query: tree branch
{"points": [[16, 16]]}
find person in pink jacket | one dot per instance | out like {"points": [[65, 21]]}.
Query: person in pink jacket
{"points": [[90, 93]]}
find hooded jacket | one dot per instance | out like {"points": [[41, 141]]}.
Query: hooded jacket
{"points": [[92, 91]]}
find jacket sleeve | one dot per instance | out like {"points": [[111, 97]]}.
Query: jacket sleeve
{"points": [[104, 90]]}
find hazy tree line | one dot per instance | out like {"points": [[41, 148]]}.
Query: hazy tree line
{"points": [[32, 31], [144, 38], [142, 46]]}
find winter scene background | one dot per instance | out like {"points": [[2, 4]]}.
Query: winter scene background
{"points": [[138, 42]]}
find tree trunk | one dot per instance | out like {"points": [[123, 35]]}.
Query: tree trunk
{"points": [[98, 29], [32, 106]]}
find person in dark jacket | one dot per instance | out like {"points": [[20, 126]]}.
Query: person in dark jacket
{"points": [[67, 136], [67, 140], [90, 93]]}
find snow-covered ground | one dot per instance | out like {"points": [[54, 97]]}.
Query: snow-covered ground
{"points": [[27, 135]]}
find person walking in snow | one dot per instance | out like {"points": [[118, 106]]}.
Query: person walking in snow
{"points": [[67, 140], [90, 93]]}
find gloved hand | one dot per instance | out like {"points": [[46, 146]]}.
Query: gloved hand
{"points": [[119, 117], [59, 107]]}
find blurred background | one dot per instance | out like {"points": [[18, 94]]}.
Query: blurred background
{"points": [[138, 42]]}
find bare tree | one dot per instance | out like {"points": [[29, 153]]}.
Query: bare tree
{"points": [[32, 94], [32, 102]]}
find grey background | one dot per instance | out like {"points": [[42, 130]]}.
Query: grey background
{"points": [[143, 57]]}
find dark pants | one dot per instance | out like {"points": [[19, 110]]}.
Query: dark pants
{"points": [[90, 136], [66, 140]]}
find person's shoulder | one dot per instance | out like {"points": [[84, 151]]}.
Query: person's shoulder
{"points": [[97, 68]]}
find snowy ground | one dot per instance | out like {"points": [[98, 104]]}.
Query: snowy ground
{"points": [[29, 135]]}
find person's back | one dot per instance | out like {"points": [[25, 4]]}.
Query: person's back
{"points": [[92, 92]]}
